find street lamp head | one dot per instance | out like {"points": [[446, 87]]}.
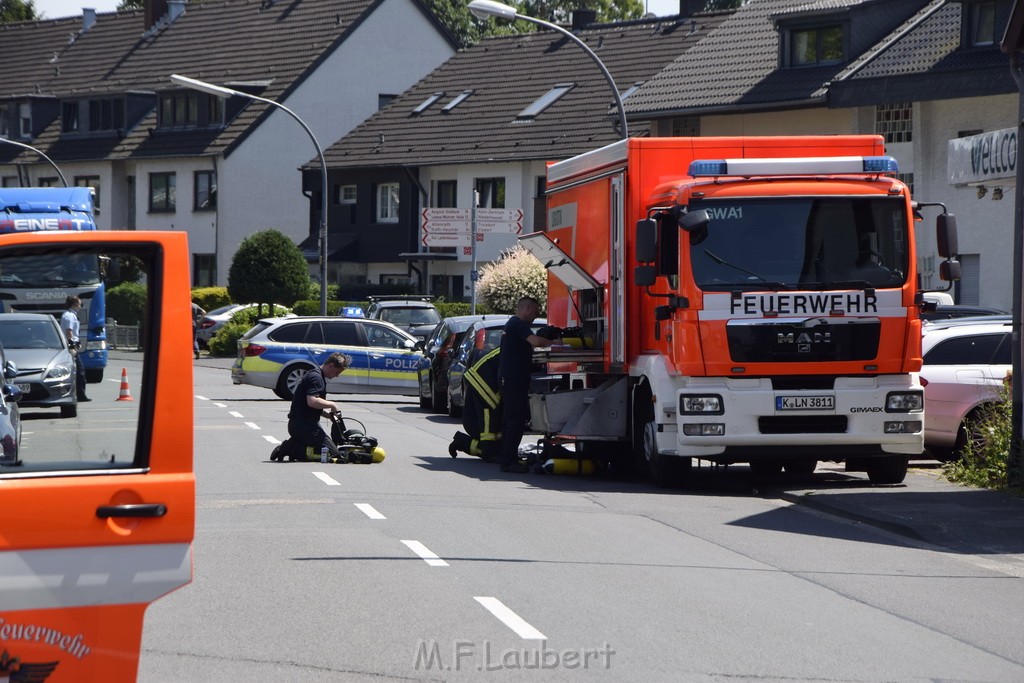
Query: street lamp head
{"points": [[202, 86], [485, 9]]}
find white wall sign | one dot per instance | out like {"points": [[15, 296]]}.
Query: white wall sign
{"points": [[982, 158]]}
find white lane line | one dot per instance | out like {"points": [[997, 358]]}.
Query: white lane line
{"points": [[271, 439], [510, 619], [201, 398], [234, 413], [220, 405], [428, 556], [326, 478], [253, 425], [369, 511]]}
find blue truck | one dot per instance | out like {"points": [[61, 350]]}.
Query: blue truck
{"points": [[41, 284]]}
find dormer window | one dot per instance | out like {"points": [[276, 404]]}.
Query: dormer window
{"points": [[190, 110], [980, 23], [544, 101], [815, 46], [69, 117]]}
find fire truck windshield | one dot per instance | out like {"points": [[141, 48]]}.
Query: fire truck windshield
{"points": [[800, 243]]}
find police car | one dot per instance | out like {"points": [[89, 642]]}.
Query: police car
{"points": [[277, 352]]}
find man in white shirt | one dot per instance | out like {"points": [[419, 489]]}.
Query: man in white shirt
{"points": [[69, 323]]}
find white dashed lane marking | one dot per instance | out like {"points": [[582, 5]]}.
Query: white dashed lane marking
{"points": [[369, 511], [326, 478], [428, 556], [253, 425], [510, 618]]}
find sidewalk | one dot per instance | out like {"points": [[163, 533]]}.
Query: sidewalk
{"points": [[930, 509]]}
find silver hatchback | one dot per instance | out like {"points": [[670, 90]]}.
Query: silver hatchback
{"points": [[45, 368]]}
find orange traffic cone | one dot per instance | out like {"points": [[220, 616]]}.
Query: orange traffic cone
{"points": [[126, 393]]}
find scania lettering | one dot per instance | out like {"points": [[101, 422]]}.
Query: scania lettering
{"points": [[41, 284], [740, 300]]}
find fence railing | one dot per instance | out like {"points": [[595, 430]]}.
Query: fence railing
{"points": [[123, 336]]}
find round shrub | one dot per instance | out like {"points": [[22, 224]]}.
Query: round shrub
{"points": [[126, 303]]}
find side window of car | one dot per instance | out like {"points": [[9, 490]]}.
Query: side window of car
{"points": [[975, 350], [381, 337], [1004, 353], [341, 334], [294, 333]]}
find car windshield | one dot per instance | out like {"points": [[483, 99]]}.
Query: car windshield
{"points": [[222, 310], [23, 334], [403, 317], [801, 242]]}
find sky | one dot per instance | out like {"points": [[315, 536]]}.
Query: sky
{"points": [[55, 9]]}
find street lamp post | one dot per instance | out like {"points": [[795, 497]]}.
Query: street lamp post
{"points": [[484, 9], [39, 152], [220, 91]]}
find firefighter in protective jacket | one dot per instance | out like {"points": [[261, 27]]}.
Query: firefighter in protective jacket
{"points": [[481, 415]]}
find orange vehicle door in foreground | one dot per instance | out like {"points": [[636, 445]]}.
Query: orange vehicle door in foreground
{"points": [[97, 510]]}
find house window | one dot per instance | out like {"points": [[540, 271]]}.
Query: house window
{"points": [[686, 127], [981, 23], [426, 103], [179, 111], [9, 181], [384, 100], [25, 119], [69, 117], [445, 194], [106, 114], [895, 122], [387, 203], [492, 192], [92, 181], [344, 194], [456, 101], [204, 270], [162, 192], [4, 113], [50, 181], [215, 111], [812, 46], [544, 101], [204, 191]]}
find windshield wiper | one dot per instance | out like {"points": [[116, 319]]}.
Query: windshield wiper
{"points": [[838, 284], [768, 283]]}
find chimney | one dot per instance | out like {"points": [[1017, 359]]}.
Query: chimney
{"points": [[175, 8], [690, 7], [581, 18], [155, 10], [88, 18]]}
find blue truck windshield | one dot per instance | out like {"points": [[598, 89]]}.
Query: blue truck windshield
{"points": [[801, 243], [57, 270]]}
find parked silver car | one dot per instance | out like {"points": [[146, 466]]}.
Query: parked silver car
{"points": [[45, 368], [215, 319], [965, 363]]}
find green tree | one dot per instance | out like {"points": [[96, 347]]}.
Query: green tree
{"points": [[131, 4], [17, 10], [268, 269], [516, 274]]}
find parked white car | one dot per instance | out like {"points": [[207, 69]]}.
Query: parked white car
{"points": [[965, 363]]}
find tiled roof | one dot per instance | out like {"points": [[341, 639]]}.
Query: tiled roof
{"points": [[220, 41], [507, 74], [737, 66], [922, 61]]}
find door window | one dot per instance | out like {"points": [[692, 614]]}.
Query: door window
{"points": [[974, 350], [378, 336], [294, 333], [341, 334]]}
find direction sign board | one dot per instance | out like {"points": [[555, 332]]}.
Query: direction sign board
{"points": [[450, 220]]}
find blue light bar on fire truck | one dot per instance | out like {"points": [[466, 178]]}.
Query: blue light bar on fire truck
{"points": [[795, 166]]}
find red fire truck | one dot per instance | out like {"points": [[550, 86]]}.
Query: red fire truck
{"points": [[740, 299]]}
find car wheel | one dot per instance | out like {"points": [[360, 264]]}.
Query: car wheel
{"points": [[69, 410], [970, 432], [93, 375], [289, 380], [888, 470]]}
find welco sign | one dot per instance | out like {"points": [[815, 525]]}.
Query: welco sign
{"points": [[983, 158]]}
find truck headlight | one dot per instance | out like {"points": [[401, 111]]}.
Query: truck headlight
{"points": [[695, 404], [904, 401]]}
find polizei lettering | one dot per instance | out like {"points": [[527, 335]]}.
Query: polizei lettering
{"points": [[810, 303]]}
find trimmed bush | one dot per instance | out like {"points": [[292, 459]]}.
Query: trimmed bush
{"points": [[126, 303], [268, 268], [211, 297]]}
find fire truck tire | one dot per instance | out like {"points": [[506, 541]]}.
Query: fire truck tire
{"points": [[888, 470], [664, 470], [93, 375], [801, 466]]}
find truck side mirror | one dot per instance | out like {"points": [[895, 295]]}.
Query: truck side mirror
{"points": [[646, 240], [945, 236], [694, 221], [644, 276], [949, 271]]}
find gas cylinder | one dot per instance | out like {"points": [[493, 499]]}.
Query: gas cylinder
{"points": [[570, 466]]}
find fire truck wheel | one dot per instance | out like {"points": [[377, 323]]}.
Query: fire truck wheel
{"points": [[888, 470], [801, 466], [664, 471]]}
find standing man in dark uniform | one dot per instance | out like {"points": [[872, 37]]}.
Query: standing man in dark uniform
{"points": [[309, 403], [516, 362]]}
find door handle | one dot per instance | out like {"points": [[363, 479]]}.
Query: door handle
{"points": [[134, 510]]}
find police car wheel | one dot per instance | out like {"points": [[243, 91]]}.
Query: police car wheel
{"points": [[290, 379]]}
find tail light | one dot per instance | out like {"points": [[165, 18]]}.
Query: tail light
{"points": [[253, 350], [924, 382], [207, 323], [479, 339]]}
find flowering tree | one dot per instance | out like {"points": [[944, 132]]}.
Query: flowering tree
{"points": [[516, 274]]}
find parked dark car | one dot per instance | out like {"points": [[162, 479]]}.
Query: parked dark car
{"points": [[478, 340], [45, 373], [414, 314], [10, 415], [438, 353]]}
